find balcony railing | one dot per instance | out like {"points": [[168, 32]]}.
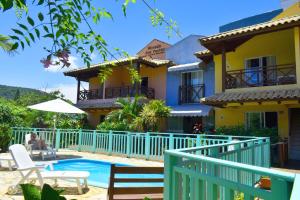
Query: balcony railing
{"points": [[261, 76], [191, 93], [116, 92]]}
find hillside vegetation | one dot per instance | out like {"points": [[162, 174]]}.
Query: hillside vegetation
{"points": [[11, 92]]}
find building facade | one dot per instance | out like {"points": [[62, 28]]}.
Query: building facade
{"points": [[189, 80], [99, 98], [257, 76]]}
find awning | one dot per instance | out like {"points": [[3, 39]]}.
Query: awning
{"points": [[189, 66], [190, 111]]}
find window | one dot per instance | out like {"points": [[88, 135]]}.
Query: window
{"points": [[257, 72], [192, 78], [258, 120]]}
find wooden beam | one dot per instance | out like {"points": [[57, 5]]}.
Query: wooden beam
{"points": [[223, 67], [78, 88]]}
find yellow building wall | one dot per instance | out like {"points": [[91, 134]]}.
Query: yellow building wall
{"points": [[157, 79], [236, 116], [292, 10], [94, 116], [120, 77], [279, 44]]}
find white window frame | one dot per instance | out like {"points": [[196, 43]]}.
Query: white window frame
{"points": [[262, 123], [202, 75]]}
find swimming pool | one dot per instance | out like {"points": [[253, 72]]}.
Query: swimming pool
{"points": [[99, 171]]}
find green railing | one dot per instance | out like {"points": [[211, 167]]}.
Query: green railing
{"points": [[197, 167], [226, 172], [140, 145]]}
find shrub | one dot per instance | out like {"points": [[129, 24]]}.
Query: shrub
{"points": [[240, 130], [5, 137]]}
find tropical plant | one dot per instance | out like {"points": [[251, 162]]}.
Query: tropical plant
{"points": [[136, 116], [121, 119], [152, 114], [31, 192]]}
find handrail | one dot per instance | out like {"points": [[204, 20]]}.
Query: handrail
{"points": [[261, 76], [270, 172]]}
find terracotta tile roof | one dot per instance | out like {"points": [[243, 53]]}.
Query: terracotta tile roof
{"points": [[121, 61], [93, 70], [253, 28], [203, 52], [221, 99]]}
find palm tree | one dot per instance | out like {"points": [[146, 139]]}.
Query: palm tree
{"points": [[130, 109], [5, 44]]}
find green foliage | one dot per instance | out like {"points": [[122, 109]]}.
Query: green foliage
{"points": [[240, 130], [121, 119], [135, 116], [31, 192], [5, 137], [70, 26], [152, 113], [10, 92]]}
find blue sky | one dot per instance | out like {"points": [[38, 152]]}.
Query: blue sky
{"points": [[201, 17]]}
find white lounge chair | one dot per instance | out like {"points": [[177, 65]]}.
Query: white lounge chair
{"points": [[29, 171], [44, 153]]}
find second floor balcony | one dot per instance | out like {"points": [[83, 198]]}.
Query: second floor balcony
{"points": [[261, 76], [116, 92], [189, 94]]}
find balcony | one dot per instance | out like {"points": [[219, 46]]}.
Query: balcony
{"points": [[262, 76], [189, 94], [116, 92]]}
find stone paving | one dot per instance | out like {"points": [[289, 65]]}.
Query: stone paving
{"points": [[9, 178]]}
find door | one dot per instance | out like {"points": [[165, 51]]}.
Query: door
{"points": [[191, 90], [144, 85], [294, 139]]}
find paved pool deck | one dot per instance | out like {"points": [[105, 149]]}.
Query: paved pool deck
{"points": [[9, 178]]}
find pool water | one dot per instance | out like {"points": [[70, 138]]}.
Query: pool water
{"points": [[100, 172]]}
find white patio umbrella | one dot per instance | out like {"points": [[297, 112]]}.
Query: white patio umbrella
{"points": [[56, 106]]}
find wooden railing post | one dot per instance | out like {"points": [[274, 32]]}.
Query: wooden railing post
{"points": [[79, 140], [199, 140], [128, 144], [57, 139], [94, 141], [171, 184], [171, 141], [147, 145], [281, 189], [110, 142]]}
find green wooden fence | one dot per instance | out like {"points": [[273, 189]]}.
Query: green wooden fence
{"points": [[225, 171], [141, 145], [197, 167]]}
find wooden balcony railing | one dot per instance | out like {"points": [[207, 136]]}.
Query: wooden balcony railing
{"points": [[116, 92], [191, 93], [261, 76]]}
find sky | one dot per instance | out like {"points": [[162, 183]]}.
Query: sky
{"points": [[131, 33]]}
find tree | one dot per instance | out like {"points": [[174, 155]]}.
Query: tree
{"points": [[136, 116], [121, 119], [69, 26]]}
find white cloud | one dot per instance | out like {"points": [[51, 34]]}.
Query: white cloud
{"points": [[58, 68], [68, 90]]}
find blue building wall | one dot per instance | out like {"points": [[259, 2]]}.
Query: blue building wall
{"points": [[250, 20], [183, 53]]}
